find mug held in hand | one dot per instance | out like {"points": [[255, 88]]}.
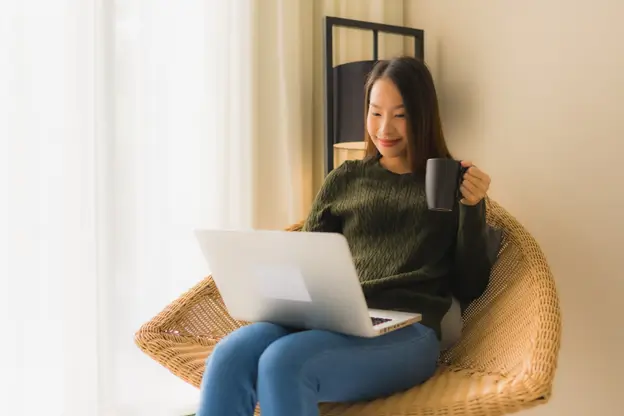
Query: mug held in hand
{"points": [[442, 181]]}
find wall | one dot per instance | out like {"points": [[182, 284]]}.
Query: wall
{"points": [[533, 92]]}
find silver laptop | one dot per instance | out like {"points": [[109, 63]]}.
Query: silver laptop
{"points": [[304, 280]]}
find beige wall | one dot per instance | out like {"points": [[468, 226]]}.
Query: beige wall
{"points": [[533, 91]]}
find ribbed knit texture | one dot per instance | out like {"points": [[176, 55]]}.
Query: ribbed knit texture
{"points": [[408, 258]]}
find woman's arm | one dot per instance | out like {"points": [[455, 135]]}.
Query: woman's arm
{"points": [[472, 263], [321, 217]]}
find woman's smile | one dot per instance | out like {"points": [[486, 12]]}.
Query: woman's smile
{"points": [[386, 142]]}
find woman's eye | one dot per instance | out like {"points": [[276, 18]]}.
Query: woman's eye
{"points": [[376, 114], [400, 115]]}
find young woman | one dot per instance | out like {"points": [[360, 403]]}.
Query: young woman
{"points": [[408, 258]]}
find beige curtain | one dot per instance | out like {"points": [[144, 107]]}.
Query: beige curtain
{"points": [[289, 134], [288, 125]]}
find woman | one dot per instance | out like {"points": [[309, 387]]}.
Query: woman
{"points": [[407, 257]]}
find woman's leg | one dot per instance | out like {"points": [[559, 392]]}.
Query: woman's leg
{"points": [[302, 369], [229, 383]]}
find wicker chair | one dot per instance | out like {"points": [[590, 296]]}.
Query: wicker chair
{"points": [[504, 362]]}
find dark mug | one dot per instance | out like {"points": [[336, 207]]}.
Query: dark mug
{"points": [[442, 180]]}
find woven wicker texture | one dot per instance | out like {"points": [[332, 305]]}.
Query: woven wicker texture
{"points": [[504, 362]]}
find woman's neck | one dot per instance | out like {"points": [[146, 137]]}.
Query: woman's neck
{"points": [[399, 164]]}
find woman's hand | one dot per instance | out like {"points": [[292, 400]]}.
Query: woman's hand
{"points": [[475, 184]]}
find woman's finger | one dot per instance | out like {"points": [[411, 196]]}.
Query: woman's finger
{"points": [[468, 195], [474, 181], [474, 188], [477, 173]]}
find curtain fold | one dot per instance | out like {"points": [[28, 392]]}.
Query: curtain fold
{"points": [[283, 109]]}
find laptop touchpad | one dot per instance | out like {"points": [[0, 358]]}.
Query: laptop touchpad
{"points": [[281, 282]]}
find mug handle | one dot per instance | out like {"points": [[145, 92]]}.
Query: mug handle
{"points": [[460, 178]]}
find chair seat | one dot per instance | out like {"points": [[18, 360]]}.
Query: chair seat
{"points": [[448, 392], [504, 362]]}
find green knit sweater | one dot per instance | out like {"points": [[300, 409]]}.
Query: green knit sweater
{"points": [[408, 258]]}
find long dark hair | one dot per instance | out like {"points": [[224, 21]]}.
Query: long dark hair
{"points": [[424, 129]]}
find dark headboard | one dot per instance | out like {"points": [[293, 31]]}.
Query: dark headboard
{"points": [[344, 84]]}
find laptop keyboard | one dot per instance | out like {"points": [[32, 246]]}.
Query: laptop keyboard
{"points": [[377, 321]]}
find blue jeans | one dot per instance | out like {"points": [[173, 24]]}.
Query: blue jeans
{"points": [[289, 372]]}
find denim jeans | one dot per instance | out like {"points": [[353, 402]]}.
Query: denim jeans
{"points": [[289, 372]]}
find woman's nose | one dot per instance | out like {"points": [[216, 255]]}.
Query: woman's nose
{"points": [[384, 128]]}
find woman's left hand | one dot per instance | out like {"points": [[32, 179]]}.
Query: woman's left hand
{"points": [[475, 184]]}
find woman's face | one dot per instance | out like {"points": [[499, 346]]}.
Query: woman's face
{"points": [[385, 122]]}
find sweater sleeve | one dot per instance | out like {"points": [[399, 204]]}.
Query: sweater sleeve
{"points": [[472, 264], [321, 218]]}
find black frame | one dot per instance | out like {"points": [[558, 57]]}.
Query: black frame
{"points": [[376, 28]]}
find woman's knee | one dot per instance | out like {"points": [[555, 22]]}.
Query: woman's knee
{"points": [[287, 357], [244, 346]]}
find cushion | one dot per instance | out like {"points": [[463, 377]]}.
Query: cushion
{"points": [[452, 323], [494, 240]]}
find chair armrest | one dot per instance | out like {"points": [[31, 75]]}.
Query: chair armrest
{"points": [[295, 227], [185, 332], [514, 328]]}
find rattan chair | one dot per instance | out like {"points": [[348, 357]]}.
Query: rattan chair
{"points": [[505, 360]]}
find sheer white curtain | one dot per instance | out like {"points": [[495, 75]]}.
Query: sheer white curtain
{"points": [[124, 125], [179, 159], [48, 278]]}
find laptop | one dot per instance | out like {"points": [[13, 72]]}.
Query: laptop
{"points": [[302, 280]]}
